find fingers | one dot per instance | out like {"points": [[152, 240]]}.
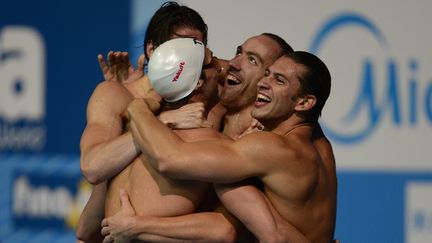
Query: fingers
{"points": [[141, 61], [124, 56], [105, 231], [125, 204], [118, 67], [105, 228], [123, 65], [119, 57], [113, 58], [131, 69], [260, 127], [206, 123], [110, 57], [102, 63], [108, 239], [124, 198], [104, 67], [254, 123], [104, 222], [197, 106]]}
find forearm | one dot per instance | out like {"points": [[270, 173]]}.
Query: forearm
{"points": [[102, 161], [89, 225], [254, 210], [213, 160], [198, 227]]}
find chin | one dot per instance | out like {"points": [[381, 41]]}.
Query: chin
{"points": [[256, 115]]}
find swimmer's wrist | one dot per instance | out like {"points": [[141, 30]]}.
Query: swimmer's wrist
{"points": [[138, 106], [166, 119], [134, 229]]}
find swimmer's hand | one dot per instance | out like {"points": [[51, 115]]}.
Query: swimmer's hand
{"points": [[255, 126], [186, 117], [117, 228], [119, 68]]}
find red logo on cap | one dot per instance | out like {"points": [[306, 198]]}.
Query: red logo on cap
{"points": [[176, 77]]}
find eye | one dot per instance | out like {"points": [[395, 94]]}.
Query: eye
{"points": [[267, 73], [252, 60], [280, 80]]}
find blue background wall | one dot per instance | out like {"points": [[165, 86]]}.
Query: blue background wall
{"points": [[73, 33], [382, 204]]}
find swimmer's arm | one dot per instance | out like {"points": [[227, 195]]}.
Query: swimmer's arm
{"points": [[105, 151], [199, 227], [256, 212], [89, 227], [217, 161]]}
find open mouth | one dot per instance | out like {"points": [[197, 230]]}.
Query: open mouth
{"points": [[232, 80], [263, 99]]}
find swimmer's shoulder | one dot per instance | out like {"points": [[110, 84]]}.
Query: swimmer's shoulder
{"points": [[111, 91]]}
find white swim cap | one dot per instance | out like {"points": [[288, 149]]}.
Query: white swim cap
{"points": [[175, 67]]}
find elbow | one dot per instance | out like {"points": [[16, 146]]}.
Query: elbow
{"points": [[90, 173], [170, 165], [81, 234], [163, 164], [227, 234]]}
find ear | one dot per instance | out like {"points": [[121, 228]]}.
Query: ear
{"points": [[305, 103], [149, 48], [199, 84]]}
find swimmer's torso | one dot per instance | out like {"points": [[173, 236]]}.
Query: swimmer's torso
{"points": [[310, 205], [153, 194]]}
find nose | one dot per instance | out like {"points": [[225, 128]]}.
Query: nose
{"points": [[264, 82], [223, 68], [235, 62]]}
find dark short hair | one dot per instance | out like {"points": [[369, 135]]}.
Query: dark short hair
{"points": [[315, 80], [169, 17], [285, 47]]}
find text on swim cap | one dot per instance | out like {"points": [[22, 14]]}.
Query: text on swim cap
{"points": [[176, 77]]}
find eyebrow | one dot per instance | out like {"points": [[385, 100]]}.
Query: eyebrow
{"points": [[277, 75], [281, 75], [255, 55], [184, 36], [240, 48]]}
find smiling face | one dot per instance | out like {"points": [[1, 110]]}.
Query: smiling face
{"points": [[252, 58], [279, 92]]}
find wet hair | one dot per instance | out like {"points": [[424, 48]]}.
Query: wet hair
{"points": [[285, 47], [314, 80], [167, 19]]}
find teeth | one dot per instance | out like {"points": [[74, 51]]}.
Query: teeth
{"points": [[261, 97], [232, 78]]}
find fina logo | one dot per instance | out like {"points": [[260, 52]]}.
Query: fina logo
{"points": [[22, 89], [51, 201], [368, 102]]}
